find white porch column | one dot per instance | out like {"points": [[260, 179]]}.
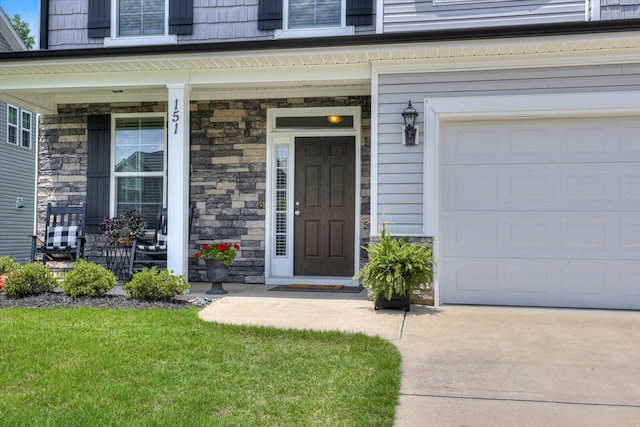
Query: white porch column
{"points": [[178, 178]]}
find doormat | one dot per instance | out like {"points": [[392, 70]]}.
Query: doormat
{"points": [[318, 288]]}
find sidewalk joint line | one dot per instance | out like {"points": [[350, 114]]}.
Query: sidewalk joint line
{"points": [[442, 396]]}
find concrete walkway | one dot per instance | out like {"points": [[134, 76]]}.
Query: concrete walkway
{"points": [[475, 366]]}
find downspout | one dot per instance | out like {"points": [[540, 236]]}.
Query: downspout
{"points": [[44, 24]]}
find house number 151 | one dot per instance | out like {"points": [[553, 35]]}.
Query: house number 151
{"points": [[175, 117]]}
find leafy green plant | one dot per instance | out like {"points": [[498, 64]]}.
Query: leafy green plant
{"points": [[396, 267], [7, 265], [151, 284], [33, 278], [88, 279], [225, 252]]}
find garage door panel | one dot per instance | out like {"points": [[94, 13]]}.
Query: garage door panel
{"points": [[555, 283], [564, 140], [600, 186], [541, 212], [588, 235]]}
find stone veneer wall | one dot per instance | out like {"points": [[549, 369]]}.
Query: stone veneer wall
{"points": [[228, 176], [228, 171]]}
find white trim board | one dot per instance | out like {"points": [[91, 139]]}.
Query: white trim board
{"points": [[279, 270], [439, 110]]}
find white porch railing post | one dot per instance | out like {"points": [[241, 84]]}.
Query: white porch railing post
{"points": [[178, 178]]}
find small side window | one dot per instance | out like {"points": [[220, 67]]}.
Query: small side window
{"points": [[26, 129], [12, 125]]}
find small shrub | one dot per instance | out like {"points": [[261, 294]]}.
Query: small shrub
{"points": [[88, 279], [151, 284], [33, 278], [7, 265]]}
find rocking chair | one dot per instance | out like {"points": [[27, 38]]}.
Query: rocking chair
{"points": [[147, 254], [64, 237]]}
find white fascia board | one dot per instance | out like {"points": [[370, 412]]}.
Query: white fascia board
{"points": [[94, 80], [356, 73], [227, 93], [534, 60]]}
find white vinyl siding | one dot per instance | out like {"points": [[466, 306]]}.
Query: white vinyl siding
{"points": [[420, 15], [400, 168]]}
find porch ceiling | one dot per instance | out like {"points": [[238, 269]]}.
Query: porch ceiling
{"points": [[43, 83]]}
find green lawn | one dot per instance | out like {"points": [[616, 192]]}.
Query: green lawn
{"points": [[89, 367]]}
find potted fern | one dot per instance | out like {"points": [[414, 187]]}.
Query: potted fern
{"points": [[396, 269]]}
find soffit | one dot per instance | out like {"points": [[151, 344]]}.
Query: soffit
{"points": [[280, 59]]}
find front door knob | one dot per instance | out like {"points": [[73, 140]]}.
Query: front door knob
{"points": [[296, 213]]}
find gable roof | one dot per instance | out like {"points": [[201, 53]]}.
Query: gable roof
{"points": [[9, 35]]}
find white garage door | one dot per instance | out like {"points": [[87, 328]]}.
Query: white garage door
{"points": [[541, 212]]}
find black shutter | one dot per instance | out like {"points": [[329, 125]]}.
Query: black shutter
{"points": [[99, 18], [180, 16], [269, 14], [359, 12], [98, 170]]}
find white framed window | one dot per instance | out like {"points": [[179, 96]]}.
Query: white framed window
{"points": [[314, 18], [137, 22], [281, 190], [26, 126], [443, 2], [139, 163], [12, 124]]}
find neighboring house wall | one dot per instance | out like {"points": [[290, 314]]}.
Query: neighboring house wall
{"points": [[17, 178], [619, 9], [400, 168], [420, 15], [228, 163]]}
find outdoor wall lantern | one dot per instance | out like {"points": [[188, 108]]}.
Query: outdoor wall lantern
{"points": [[410, 130]]}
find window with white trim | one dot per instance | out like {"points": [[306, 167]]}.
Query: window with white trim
{"points": [[281, 191], [314, 18], [315, 14], [141, 18], [12, 125], [139, 163], [440, 2], [26, 126]]}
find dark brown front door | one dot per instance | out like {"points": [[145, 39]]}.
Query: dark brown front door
{"points": [[324, 199]]}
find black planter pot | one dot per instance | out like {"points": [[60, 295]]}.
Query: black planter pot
{"points": [[396, 301], [217, 272]]}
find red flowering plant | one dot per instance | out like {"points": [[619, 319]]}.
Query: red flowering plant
{"points": [[225, 252]]}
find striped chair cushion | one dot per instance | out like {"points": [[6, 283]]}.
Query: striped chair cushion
{"points": [[61, 237], [151, 248], [161, 244]]}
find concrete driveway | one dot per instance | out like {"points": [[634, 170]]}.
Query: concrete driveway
{"points": [[478, 366]]}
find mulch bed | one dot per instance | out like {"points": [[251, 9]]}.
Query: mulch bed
{"points": [[58, 299]]}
